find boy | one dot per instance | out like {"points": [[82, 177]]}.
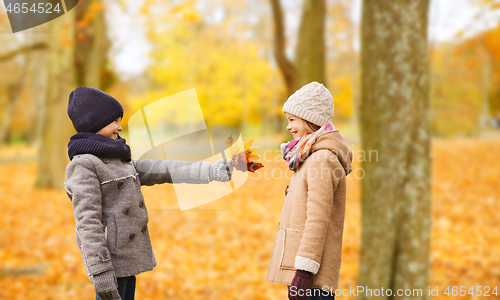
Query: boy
{"points": [[104, 186]]}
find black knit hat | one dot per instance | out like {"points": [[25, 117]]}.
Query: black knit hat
{"points": [[90, 109]]}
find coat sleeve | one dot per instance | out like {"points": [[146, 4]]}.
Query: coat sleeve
{"points": [[322, 178], [159, 171], [84, 189]]}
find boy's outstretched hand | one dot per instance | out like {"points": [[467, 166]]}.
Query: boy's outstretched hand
{"points": [[221, 170]]}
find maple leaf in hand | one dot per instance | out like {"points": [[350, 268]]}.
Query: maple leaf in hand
{"points": [[243, 157]]}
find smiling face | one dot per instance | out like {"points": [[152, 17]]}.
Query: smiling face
{"points": [[296, 126], [112, 129]]}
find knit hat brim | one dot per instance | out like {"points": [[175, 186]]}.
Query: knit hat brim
{"points": [[105, 121], [304, 114]]}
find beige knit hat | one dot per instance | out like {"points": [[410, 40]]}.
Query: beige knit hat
{"points": [[312, 102]]}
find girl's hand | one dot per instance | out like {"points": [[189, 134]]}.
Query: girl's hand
{"points": [[300, 284], [221, 170]]}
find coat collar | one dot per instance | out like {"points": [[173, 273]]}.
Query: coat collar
{"points": [[337, 144]]}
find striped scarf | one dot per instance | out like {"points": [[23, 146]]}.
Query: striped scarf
{"points": [[297, 150]]}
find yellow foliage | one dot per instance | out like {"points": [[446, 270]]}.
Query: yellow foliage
{"points": [[342, 92], [90, 14], [232, 78], [455, 93]]}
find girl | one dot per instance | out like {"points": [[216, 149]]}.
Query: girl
{"points": [[308, 247], [104, 186]]}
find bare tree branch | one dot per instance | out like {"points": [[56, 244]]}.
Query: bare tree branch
{"points": [[285, 65], [22, 50]]}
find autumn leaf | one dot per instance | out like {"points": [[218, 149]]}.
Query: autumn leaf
{"points": [[243, 157], [252, 166]]}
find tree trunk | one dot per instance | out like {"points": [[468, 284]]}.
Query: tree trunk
{"points": [[288, 71], [78, 59], [15, 86], [286, 67], [485, 91], [354, 78], [310, 51], [53, 156], [395, 191], [40, 84], [12, 96], [92, 43]]}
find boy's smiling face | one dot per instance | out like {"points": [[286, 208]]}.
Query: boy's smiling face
{"points": [[296, 126], [112, 129]]}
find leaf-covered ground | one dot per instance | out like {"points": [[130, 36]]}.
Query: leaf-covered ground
{"points": [[221, 250]]}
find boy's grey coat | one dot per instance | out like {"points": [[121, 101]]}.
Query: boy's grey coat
{"points": [[110, 213]]}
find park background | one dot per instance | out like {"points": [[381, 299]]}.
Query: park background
{"points": [[244, 58]]}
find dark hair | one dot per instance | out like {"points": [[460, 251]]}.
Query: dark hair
{"points": [[310, 127]]}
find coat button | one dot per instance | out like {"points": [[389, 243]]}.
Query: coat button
{"points": [[120, 184], [105, 254], [144, 229], [141, 205], [286, 190], [105, 160], [132, 236], [126, 210]]}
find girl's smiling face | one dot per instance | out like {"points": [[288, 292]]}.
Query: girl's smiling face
{"points": [[112, 129], [296, 126]]}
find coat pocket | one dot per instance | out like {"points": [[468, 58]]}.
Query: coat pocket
{"points": [[111, 234], [291, 244]]}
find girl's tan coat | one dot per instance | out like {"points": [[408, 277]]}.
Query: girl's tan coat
{"points": [[312, 219]]}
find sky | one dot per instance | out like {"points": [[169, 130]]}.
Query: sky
{"points": [[447, 17], [131, 47]]}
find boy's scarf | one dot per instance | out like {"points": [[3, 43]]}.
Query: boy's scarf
{"points": [[98, 145], [297, 150]]}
